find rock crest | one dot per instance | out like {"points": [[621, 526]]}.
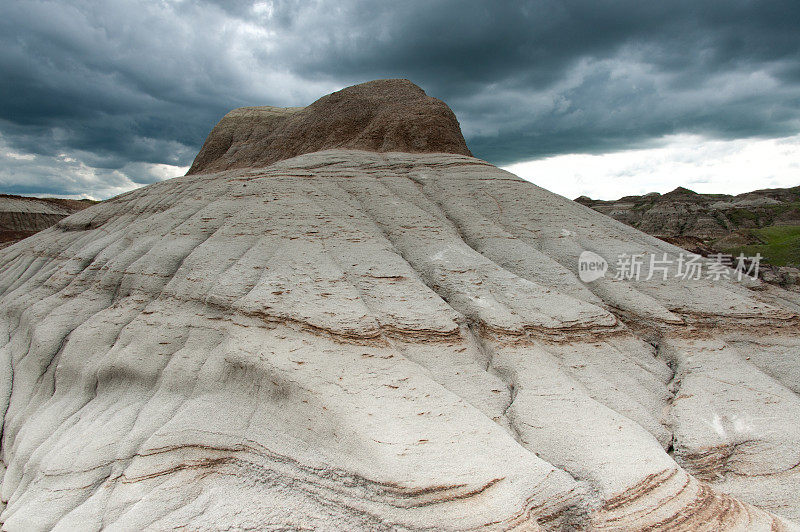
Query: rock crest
{"points": [[387, 115]]}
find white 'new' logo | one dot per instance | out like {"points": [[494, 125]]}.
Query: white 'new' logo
{"points": [[591, 266]]}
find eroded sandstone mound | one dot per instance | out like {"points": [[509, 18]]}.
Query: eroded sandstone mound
{"points": [[384, 115], [352, 340]]}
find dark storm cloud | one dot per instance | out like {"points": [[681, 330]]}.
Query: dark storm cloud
{"points": [[552, 77], [99, 93]]}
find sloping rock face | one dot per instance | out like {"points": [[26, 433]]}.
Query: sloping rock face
{"points": [[353, 340], [20, 216], [385, 115]]}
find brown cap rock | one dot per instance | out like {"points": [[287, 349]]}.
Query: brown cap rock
{"points": [[383, 115]]}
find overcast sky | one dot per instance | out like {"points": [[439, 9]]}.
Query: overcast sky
{"points": [[582, 97]]}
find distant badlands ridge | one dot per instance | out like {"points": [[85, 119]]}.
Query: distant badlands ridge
{"points": [[359, 326], [21, 216], [764, 221], [709, 217]]}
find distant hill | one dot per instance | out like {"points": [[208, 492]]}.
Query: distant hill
{"points": [[763, 221], [22, 216]]}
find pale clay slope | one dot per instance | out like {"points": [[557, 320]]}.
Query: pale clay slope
{"points": [[349, 340]]}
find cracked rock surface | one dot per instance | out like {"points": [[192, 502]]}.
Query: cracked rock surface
{"points": [[354, 340]]}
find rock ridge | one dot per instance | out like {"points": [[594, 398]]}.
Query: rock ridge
{"points": [[387, 115], [21, 216]]}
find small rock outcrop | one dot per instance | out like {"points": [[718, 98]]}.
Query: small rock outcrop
{"points": [[387, 115]]}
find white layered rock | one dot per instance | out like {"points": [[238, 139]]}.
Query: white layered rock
{"points": [[349, 340], [356, 340]]}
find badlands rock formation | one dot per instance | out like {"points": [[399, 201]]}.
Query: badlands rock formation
{"points": [[684, 212], [382, 116], [20, 216], [763, 221], [375, 340]]}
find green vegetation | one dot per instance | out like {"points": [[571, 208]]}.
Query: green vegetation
{"points": [[781, 245], [740, 216], [644, 206], [720, 218]]}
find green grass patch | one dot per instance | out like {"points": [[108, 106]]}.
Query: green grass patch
{"points": [[781, 245], [763, 216], [646, 206], [739, 216]]}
